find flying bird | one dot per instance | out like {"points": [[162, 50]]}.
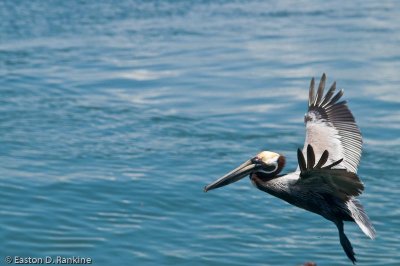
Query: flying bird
{"points": [[325, 181]]}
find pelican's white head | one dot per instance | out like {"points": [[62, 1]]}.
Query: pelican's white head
{"points": [[268, 160]]}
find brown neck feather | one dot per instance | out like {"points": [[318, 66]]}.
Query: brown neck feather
{"points": [[281, 164]]}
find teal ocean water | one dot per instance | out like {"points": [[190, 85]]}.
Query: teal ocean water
{"points": [[115, 114]]}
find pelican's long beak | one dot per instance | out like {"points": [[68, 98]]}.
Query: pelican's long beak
{"points": [[233, 176]]}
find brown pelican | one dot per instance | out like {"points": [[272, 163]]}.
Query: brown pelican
{"points": [[326, 180]]}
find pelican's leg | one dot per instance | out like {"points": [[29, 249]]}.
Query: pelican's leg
{"points": [[344, 241]]}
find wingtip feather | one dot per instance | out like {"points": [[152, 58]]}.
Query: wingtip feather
{"points": [[329, 94], [320, 91], [337, 96], [311, 92]]}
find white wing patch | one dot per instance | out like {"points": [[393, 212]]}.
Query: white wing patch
{"points": [[330, 126], [318, 132]]}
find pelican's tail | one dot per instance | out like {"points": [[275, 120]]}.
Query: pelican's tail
{"points": [[360, 217]]}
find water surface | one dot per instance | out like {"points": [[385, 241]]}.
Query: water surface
{"points": [[113, 116]]}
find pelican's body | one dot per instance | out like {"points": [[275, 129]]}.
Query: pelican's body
{"points": [[285, 188], [326, 181]]}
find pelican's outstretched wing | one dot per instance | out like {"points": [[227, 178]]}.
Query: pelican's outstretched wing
{"points": [[330, 126], [324, 179]]}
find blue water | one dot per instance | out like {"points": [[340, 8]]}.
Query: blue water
{"points": [[115, 114]]}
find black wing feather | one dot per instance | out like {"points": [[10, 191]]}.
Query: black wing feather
{"points": [[322, 160], [339, 182], [310, 157], [301, 160]]}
